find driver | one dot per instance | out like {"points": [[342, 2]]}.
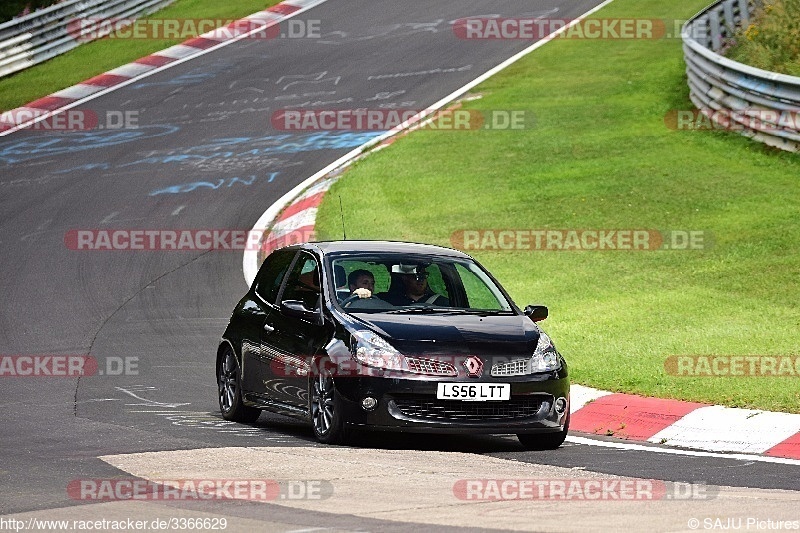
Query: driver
{"points": [[415, 289], [361, 282]]}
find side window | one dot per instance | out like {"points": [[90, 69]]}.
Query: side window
{"points": [[478, 289], [303, 282], [436, 281], [269, 277]]}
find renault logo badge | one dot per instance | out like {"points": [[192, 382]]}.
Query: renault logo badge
{"points": [[474, 366]]}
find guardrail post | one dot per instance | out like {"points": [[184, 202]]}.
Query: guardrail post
{"points": [[744, 12], [730, 19], [716, 30]]}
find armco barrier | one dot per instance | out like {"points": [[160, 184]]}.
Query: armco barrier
{"points": [[757, 103], [46, 33]]}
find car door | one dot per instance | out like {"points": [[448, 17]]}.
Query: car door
{"points": [[291, 340], [259, 305]]}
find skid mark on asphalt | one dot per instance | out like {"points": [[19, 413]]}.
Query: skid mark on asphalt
{"points": [[208, 421], [408, 29], [109, 217], [397, 30], [144, 401], [317, 78], [42, 228], [199, 419]]}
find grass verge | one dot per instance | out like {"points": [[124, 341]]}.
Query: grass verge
{"points": [[99, 56], [601, 156]]}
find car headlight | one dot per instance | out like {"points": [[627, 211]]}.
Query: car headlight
{"points": [[545, 357], [372, 350]]}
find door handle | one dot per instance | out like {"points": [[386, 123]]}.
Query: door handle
{"points": [[268, 328]]}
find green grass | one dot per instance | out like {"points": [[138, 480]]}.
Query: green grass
{"points": [[102, 55], [600, 156]]}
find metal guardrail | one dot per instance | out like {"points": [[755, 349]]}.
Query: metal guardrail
{"points": [[39, 36], [759, 104]]}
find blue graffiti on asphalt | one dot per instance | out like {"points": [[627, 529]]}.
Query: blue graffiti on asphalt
{"points": [[194, 76], [48, 145], [87, 166], [228, 182], [243, 147]]}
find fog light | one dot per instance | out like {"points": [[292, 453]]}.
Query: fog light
{"points": [[561, 405], [369, 403]]}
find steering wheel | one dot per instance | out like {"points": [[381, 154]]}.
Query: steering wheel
{"points": [[353, 298]]}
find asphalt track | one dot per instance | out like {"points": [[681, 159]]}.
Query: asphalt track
{"points": [[205, 156]]}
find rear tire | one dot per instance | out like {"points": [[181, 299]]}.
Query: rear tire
{"points": [[229, 385], [544, 441]]}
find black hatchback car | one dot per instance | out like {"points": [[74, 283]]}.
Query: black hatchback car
{"points": [[390, 336]]}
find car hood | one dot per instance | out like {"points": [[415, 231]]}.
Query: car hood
{"points": [[451, 334]]}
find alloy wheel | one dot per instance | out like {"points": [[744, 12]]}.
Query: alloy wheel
{"points": [[322, 403]]}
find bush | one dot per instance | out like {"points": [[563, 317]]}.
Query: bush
{"points": [[12, 8], [772, 40]]}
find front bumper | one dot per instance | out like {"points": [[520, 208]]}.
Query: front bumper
{"points": [[410, 404]]}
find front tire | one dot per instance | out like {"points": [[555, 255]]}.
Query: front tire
{"points": [[544, 441], [229, 384], [327, 417]]}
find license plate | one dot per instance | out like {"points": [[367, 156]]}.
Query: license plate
{"points": [[474, 392]]}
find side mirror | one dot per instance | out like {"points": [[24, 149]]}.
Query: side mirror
{"points": [[536, 313], [297, 309]]}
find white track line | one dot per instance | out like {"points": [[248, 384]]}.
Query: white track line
{"points": [[674, 451]]}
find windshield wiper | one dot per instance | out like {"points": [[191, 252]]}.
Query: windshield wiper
{"points": [[450, 310], [487, 312], [421, 309]]}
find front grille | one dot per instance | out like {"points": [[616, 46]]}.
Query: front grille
{"points": [[431, 367], [433, 409], [517, 367]]}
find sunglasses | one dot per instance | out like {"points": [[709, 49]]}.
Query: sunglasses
{"points": [[418, 276]]}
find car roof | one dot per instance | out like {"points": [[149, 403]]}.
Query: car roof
{"points": [[335, 247]]}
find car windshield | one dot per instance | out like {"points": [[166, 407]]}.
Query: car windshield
{"points": [[400, 283]]}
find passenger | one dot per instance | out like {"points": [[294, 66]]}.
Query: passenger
{"points": [[414, 288]]}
